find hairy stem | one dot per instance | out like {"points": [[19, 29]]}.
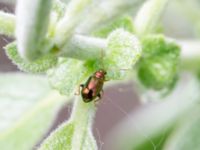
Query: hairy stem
{"points": [[105, 11], [190, 56], [83, 47], [68, 23], [82, 116], [149, 15]]}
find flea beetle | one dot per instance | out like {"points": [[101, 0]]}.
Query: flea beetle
{"points": [[93, 88]]}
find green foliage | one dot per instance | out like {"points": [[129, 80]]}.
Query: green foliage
{"points": [[40, 65], [123, 52], [48, 41], [67, 75], [156, 142], [26, 110], [159, 64], [76, 133], [60, 139]]}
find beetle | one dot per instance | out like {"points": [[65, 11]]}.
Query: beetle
{"points": [[93, 88]]}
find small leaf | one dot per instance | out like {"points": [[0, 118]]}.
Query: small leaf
{"points": [[32, 19], [155, 142], [125, 22], [158, 67], [61, 139], [37, 66], [67, 75], [123, 52], [76, 133], [186, 135], [157, 72], [26, 110]]}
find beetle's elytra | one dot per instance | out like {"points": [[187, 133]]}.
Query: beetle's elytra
{"points": [[93, 88]]}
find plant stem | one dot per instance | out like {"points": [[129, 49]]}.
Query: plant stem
{"points": [[32, 19], [190, 9], [83, 47], [68, 23], [106, 10], [190, 56], [149, 15], [82, 116]]}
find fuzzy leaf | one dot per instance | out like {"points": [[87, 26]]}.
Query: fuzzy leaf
{"points": [[67, 75], [37, 66], [76, 133], [159, 64], [32, 19], [123, 52], [61, 139], [125, 22], [26, 110]]}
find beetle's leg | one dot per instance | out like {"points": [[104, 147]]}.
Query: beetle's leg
{"points": [[99, 96], [78, 89]]}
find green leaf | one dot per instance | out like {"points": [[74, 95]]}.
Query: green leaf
{"points": [[187, 133], [124, 50], [125, 22], [158, 44], [32, 19], [27, 109], [76, 133], [155, 142], [67, 75], [122, 53], [40, 65], [61, 139], [159, 65]]}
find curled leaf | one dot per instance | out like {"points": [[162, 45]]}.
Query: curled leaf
{"points": [[37, 66], [67, 75], [158, 67]]}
